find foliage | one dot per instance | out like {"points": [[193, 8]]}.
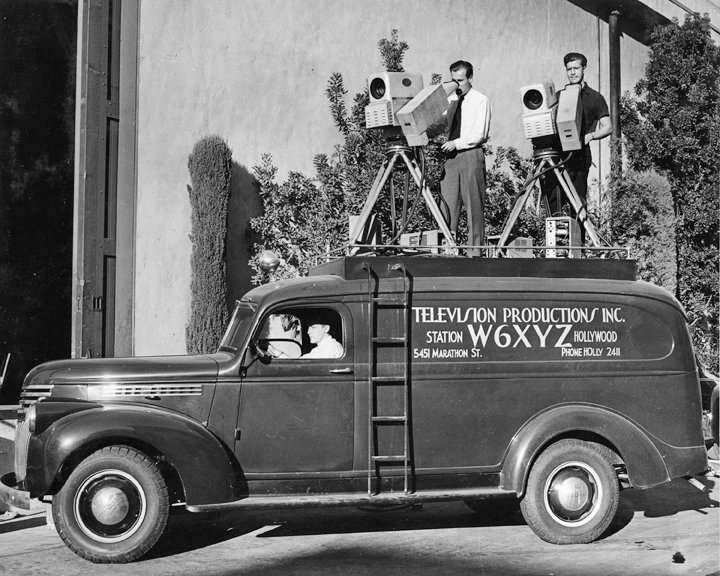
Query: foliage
{"points": [[307, 218], [392, 52], [642, 219], [300, 220], [210, 166], [674, 127]]}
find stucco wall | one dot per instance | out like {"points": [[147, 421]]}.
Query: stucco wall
{"points": [[255, 72]]}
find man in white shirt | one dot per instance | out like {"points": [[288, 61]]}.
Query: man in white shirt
{"points": [[463, 179], [325, 345]]}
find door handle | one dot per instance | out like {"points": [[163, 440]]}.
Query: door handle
{"points": [[342, 371]]}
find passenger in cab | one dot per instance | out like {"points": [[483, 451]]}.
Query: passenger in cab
{"points": [[319, 333]]}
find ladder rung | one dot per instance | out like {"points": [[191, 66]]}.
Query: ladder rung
{"points": [[389, 419], [389, 339], [388, 379], [395, 458]]}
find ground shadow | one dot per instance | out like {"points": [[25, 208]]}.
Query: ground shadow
{"points": [[664, 500], [244, 205], [22, 522], [187, 532]]}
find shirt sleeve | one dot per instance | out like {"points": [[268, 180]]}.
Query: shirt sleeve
{"points": [[600, 109], [475, 125]]}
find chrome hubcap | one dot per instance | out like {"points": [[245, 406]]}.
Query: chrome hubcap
{"points": [[110, 506], [572, 492]]}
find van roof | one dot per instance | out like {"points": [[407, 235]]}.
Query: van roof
{"points": [[354, 267], [345, 276]]}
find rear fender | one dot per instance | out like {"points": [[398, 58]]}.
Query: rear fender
{"points": [[203, 464], [645, 465]]}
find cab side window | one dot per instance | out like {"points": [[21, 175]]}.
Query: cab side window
{"points": [[302, 333]]}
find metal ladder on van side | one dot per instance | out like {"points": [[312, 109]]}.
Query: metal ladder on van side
{"points": [[375, 341]]}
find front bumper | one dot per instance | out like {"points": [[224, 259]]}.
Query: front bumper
{"points": [[12, 498]]}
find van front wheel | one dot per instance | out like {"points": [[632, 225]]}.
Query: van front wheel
{"points": [[113, 507], [572, 493]]}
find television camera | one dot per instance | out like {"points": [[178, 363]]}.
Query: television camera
{"points": [[404, 109], [552, 121]]}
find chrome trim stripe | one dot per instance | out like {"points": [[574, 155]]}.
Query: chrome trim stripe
{"points": [[113, 391], [31, 394]]}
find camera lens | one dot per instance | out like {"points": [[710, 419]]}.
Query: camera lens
{"points": [[533, 99], [377, 88]]}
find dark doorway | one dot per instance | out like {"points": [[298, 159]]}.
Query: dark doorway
{"points": [[37, 118]]}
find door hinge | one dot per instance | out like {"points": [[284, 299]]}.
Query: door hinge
{"points": [[237, 433]]}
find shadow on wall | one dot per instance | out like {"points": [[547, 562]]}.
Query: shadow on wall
{"points": [[245, 204]]}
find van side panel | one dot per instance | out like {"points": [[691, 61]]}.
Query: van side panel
{"points": [[488, 356]]}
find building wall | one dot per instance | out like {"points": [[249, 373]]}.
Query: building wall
{"points": [[255, 72]]}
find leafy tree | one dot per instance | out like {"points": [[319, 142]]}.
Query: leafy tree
{"points": [[301, 220], [673, 126]]}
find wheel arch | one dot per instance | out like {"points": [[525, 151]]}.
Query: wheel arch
{"points": [[645, 464], [170, 474], [181, 444]]}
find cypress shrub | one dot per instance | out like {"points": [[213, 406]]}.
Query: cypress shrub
{"points": [[210, 172]]}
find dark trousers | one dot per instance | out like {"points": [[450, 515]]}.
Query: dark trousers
{"points": [[463, 181], [556, 197]]}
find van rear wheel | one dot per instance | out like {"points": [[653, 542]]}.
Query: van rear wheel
{"points": [[113, 507], [572, 493]]}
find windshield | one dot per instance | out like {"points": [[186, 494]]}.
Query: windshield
{"points": [[238, 326]]}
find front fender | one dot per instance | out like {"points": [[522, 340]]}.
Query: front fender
{"points": [[645, 464], [204, 466]]}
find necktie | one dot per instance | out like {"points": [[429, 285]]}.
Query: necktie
{"points": [[457, 119]]}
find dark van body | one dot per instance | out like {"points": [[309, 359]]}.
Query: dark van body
{"points": [[543, 380]]}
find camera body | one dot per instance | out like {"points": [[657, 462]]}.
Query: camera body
{"points": [[569, 118], [539, 103], [389, 92], [547, 113]]}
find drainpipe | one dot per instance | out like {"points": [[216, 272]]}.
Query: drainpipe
{"points": [[614, 49]]}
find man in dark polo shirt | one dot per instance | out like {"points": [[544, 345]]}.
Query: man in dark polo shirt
{"points": [[596, 125]]}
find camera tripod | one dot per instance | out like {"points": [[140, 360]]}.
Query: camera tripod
{"points": [[397, 149], [547, 160]]}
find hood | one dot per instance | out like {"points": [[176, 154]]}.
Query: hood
{"points": [[168, 369]]}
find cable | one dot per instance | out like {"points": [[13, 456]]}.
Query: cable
{"points": [[419, 153]]}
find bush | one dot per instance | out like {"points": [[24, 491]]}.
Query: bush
{"points": [[641, 218], [210, 172]]}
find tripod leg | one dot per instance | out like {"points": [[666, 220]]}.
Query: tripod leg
{"points": [[430, 201], [577, 204], [519, 205], [383, 174]]}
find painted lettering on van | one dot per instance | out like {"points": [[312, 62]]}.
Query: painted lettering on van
{"points": [[503, 336], [501, 328]]}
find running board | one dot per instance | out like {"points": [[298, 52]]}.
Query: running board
{"points": [[355, 499]]}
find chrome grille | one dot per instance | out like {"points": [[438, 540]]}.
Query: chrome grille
{"points": [[22, 440], [31, 394]]}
